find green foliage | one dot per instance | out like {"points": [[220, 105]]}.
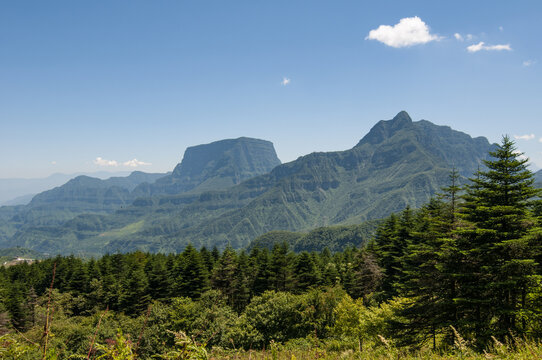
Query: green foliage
{"points": [[498, 262], [274, 315], [185, 349], [12, 348], [119, 348], [460, 275], [373, 324]]}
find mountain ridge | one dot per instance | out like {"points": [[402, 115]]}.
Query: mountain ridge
{"points": [[215, 166], [398, 163]]}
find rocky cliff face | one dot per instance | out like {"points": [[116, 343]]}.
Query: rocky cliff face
{"points": [[216, 166]]}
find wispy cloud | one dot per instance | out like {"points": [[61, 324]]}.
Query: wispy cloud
{"points": [[460, 37], [53, 162], [103, 162], [135, 163], [501, 28], [285, 81], [540, 139], [482, 46], [409, 31], [524, 137], [527, 63], [521, 155], [114, 163]]}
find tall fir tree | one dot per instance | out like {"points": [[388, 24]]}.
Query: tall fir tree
{"points": [[497, 261]]}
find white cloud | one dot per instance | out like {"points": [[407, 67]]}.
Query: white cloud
{"points": [[53, 162], [460, 37], [130, 163], [540, 139], [527, 63], [103, 162], [482, 46], [520, 155], [409, 31], [501, 28], [524, 137], [285, 81], [135, 163]]}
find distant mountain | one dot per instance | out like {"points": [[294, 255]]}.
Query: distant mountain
{"points": [[398, 163], [19, 200], [80, 195], [11, 189], [538, 177], [215, 166], [85, 193]]}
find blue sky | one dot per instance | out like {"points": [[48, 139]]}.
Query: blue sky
{"points": [[128, 85]]}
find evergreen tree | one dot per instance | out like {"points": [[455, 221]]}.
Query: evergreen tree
{"points": [[423, 280], [281, 267], [134, 296], [192, 278], [260, 262], [390, 245], [224, 274], [498, 262], [157, 274], [368, 275], [207, 258], [306, 273], [242, 283]]}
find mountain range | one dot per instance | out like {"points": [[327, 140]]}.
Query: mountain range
{"points": [[19, 191], [232, 191]]}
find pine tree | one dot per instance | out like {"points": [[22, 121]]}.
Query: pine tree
{"points": [[368, 275], [157, 273], [242, 283], [423, 280], [192, 279], [224, 274], [497, 261], [134, 296], [260, 262], [390, 245], [281, 267], [306, 273]]}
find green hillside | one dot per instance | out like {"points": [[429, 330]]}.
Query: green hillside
{"points": [[334, 238], [10, 253], [215, 166], [398, 163]]}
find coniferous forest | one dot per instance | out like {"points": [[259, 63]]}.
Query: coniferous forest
{"points": [[461, 276]]}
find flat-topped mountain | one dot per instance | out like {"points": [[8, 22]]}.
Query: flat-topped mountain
{"points": [[216, 166], [398, 163]]}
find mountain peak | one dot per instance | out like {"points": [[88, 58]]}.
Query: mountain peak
{"points": [[387, 128], [243, 154], [218, 165], [402, 117]]}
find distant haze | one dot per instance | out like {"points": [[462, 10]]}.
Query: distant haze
{"points": [[12, 189]]}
